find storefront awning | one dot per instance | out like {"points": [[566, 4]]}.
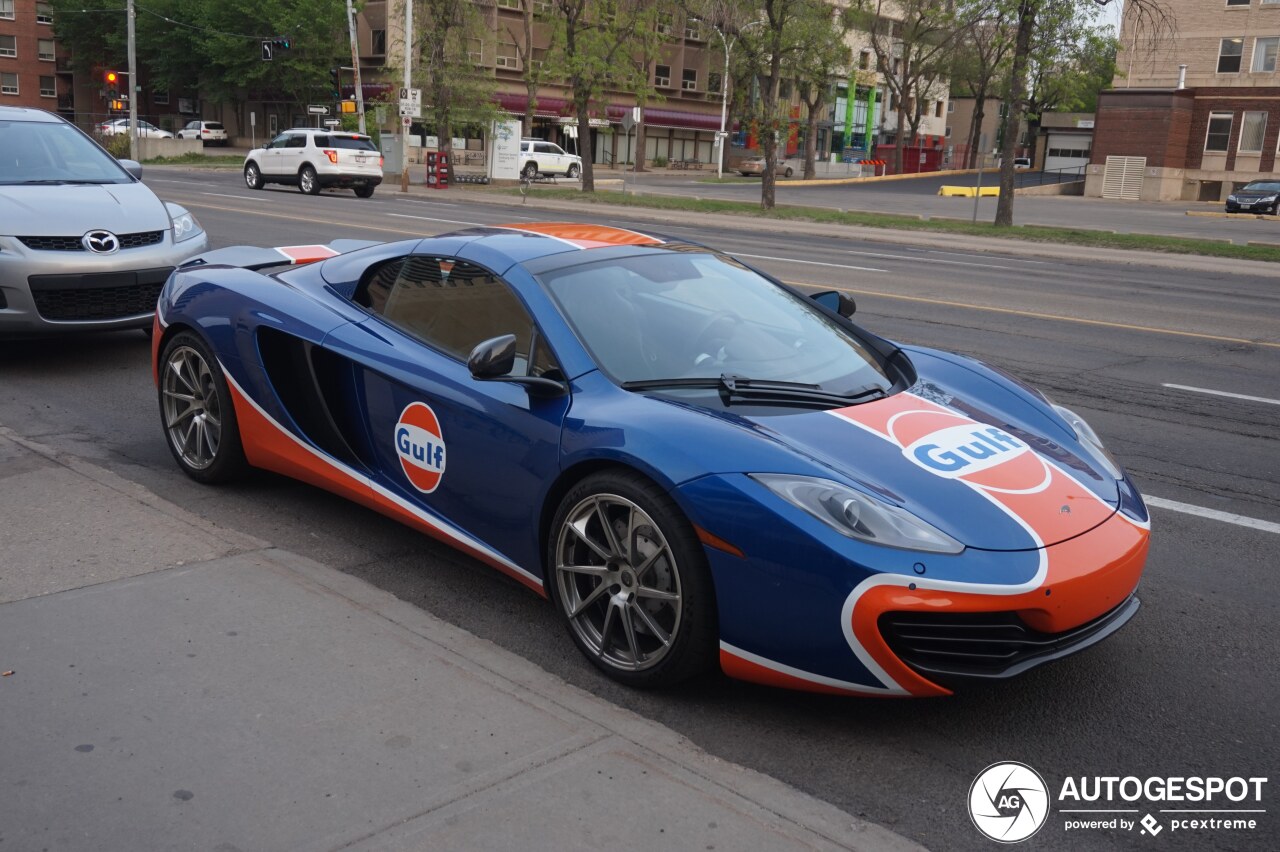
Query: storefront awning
{"points": [[653, 116]]}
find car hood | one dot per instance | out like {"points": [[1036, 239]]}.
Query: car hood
{"points": [[966, 450], [73, 209], [1254, 193]]}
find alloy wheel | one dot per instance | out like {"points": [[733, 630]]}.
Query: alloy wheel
{"points": [[192, 408]]}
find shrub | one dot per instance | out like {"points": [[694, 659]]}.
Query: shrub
{"points": [[659, 162]]}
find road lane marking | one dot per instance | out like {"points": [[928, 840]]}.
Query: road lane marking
{"points": [[981, 256], [808, 262], [300, 219], [448, 221], [1213, 514], [1222, 393], [225, 195], [1036, 315], [916, 259], [420, 201]]}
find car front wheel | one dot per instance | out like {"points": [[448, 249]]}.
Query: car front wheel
{"points": [[574, 171], [253, 176], [630, 579], [307, 181], [530, 170], [196, 411], [788, 172]]}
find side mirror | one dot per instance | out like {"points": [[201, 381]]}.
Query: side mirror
{"points": [[133, 167], [492, 360], [834, 300]]}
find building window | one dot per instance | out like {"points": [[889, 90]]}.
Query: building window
{"points": [[160, 98], [784, 90], [8, 45], [44, 49], [693, 31], [508, 57], [43, 15], [951, 107], [689, 81], [662, 76], [1219, 135], [864, 60], [937, 110], [48, 87], [1229, 53], [948, 132], [475, 51], [1252, 129], [8, 83], [378, 42], [1264, 54], [713, 82], [665, 24], [1240, 2], [510, 4], [6, 9]]}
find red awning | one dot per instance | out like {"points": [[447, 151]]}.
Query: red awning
{"points": [[653, 117], [678, 118], [547, 107]]}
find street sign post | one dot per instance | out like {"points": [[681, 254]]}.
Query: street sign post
{"points": [[331, 122], [317, 109], [410, 102]]}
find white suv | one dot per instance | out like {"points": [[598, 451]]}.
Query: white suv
{"points": [[208, 132], [313, 159], [538, 157]]}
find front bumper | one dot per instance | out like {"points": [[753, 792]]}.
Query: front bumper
{"points": [[49, 291]]}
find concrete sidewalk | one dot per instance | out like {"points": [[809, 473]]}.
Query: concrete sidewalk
{"points": [[178, 685]]}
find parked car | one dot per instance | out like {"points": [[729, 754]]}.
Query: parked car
{"points": [[84, 244], [1021, 164], [546, 158], [313, 159], [1259, 196], [208, 132], [755, 167], [696, 463], [121, 126]]}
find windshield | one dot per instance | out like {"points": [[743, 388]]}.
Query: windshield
{"points": [[1264, 186], [681, 315], [53, 152]]}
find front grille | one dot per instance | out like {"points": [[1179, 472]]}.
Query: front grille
{"points": [[952, 647], [127, 241], [97, 296]]}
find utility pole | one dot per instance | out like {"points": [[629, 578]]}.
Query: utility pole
{"points": [[408, 81], [133, 76], [355, 63]]}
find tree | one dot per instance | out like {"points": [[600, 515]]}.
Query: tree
{"points": [[823, 31], [1150, 16], [457, 89], [1067, 75], [532, 64], [595, 43], [979, 64]]}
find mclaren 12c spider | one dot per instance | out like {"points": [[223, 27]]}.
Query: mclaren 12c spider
{"points": [[696, 463]]}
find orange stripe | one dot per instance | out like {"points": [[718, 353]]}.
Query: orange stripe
{"points": [[586, 236], [748, 670]]}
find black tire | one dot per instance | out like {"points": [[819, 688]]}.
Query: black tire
{"points": [[308, 183], [668, 604], [573, 171], [253, 176], [530, 170], [787, 173], [364, 192], [179, 372]]}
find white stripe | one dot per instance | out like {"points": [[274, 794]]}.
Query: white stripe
{"points": [[808, 262], [416, 201], [520, 230], [1212, 514], [1222, 393], [799, 674], [981, 256], [917, 259], [225, 195], [430, 520], [446, 221]]}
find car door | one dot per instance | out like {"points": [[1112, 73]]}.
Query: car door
{"points": [[478, 454], [291, 154], [549, 160], [270, 160]]}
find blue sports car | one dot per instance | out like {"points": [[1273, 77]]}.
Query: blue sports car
{"points": [[694, 462]]}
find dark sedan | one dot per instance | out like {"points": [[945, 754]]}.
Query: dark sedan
{"points": [[1259, 196]]}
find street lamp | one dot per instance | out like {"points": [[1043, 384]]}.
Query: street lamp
{"points": [[727, 45]]}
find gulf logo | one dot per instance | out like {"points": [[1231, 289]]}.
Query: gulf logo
{"points": [[953, 446], [420, 445]]}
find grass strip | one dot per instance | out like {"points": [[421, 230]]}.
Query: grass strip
{"points": [[191, 159], [1026, 233]]}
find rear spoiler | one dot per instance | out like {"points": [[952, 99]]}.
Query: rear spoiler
{"points": [[256, 257]]}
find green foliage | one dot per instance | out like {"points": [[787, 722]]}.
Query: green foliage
{"points": [[117, 145], [351, 124], [459, 92], [659, 162]]}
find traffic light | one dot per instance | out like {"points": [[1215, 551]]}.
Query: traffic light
{"points": [[282, 42], [335, 83], [112, 79]]}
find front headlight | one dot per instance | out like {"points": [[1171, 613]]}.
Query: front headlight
{"points": [[858, 515], [1089, 438], [185, 226], [1231, 198]]}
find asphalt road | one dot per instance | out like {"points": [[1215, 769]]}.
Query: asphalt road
{"points": [[1189, 688]]}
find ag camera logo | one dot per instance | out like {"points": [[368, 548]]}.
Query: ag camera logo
{"points": [[1008, 802]]}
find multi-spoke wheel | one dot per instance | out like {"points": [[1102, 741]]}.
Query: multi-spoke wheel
{"points": [[307, 181], [195, 407], [631, 580], [253, 176]]}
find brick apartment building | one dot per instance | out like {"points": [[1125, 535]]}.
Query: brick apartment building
{"points": [[1165, 132], [29, 74]]}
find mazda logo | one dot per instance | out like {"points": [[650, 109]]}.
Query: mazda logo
{"points": [[102, 242]]}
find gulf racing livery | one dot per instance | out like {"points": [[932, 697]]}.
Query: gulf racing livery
{"points": [[694, 462]]}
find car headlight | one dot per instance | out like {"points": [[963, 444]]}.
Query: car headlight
{"points": [[1231, 198], [1089, 438], [185, 226], [858, 515]]}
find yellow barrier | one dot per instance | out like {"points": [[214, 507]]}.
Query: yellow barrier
{"points": [[968, 191]]}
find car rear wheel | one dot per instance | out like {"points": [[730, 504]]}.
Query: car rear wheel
{"points": [[788, 172], [631, 581], [307, 181], [364, 191], [573, 172], [197, 413], [530, 170], [253, 176]]}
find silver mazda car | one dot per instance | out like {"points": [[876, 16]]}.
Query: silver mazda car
{"points": [[84, 244]]}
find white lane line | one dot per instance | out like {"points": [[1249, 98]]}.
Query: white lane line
{"points": [[446, 221], [918, 259], [1222, 393], [981, 256], [1212, 514], [416, 201], [807, 262], [224, 195]]}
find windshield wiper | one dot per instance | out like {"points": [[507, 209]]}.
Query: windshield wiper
{"points": [[762, 390]]}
